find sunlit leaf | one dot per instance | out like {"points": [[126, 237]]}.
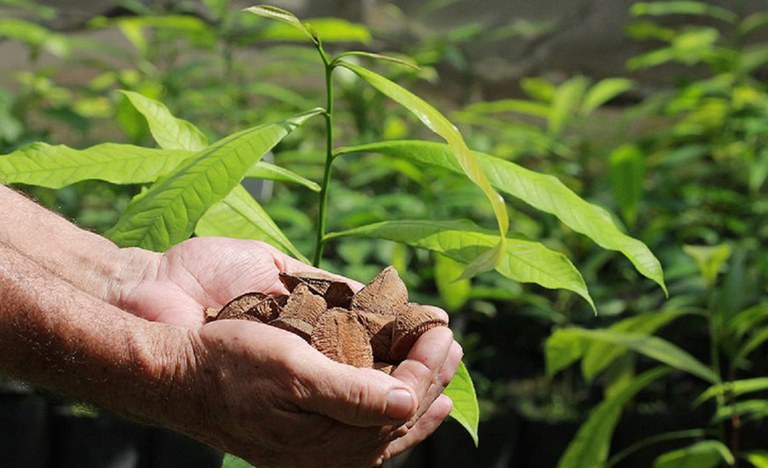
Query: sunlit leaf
{"points": [[565, 103], [265, 170], [709, 259], [231, 461], [328, 29], [758, 458], [543, 192], [168, 131], [522, 260], [465, 409], [704, 454], [454, 292], [34, 35], [694, 8], [284, 16], [603, 91], [240, 216], [590, 447], [380, 57], [518, 106], [169, 210], [58, 166], [436, 122]]}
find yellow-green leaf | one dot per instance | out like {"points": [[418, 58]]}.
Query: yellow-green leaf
{"points": [[240, 216], [437, 123], [541, 191], [465, 409], [522, 260]]}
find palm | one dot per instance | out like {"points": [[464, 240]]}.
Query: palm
{"points": [[207, 272]]}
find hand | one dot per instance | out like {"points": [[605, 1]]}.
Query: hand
{"points": [[177, 286], [270, 396], [275, 401]]}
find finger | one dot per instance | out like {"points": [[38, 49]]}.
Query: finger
{"points": [[357, 397], [427, 424], [425, 360], [444, 377]]}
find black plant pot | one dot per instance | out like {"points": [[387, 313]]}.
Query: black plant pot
{"points": [[23, 425]]}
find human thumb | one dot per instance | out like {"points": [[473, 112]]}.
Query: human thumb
{"points": [[359, 397]]}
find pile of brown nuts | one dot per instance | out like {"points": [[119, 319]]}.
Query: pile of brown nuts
{"points": [[375, 327]]}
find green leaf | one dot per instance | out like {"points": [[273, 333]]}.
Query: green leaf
{"points": [[734, 388], [329, 29], [652, 347], [518, 106], [524, 261], [601, 354], [704, 454], [758, 458], [565, 103], [240, 216], [231, 461], [437, 123], [604, 91], [168, 131], [746, 409], [465, 410], [709, 259], [757, 339], [34, 35], [562, 349], [627, 174], [284, 16], [374, 56], [694, 8], [169, 210], [265, 170], [591, 445], [454, 292], [543, 192], [58, 166]]}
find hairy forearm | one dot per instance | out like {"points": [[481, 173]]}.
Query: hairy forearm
{"points": [[55, 336], [86, 260]]}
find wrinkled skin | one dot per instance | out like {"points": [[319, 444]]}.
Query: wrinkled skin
{"points": [[270, 397]]}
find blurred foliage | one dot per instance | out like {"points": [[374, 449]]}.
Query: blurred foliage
{"points": [[683, 167]]}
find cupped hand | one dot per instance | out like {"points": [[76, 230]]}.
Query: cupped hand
{"points": [[276, 401], [177, 286]]}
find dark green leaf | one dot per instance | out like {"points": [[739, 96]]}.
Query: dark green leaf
{"points": [[704, 454], [652, 347], [591, 445]]}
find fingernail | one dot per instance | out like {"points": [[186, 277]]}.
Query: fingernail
{"points": [[400, 404]]}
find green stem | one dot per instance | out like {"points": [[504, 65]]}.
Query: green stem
{"points": [[325, 185]]}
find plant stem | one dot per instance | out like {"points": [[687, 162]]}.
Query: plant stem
{"points": [[325, 185]]}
